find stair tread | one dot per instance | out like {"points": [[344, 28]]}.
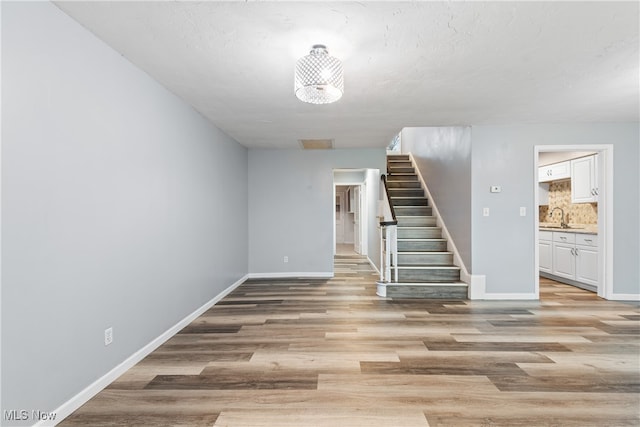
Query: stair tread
{"points": [[425, 239], [427, 252], [426, 267]]}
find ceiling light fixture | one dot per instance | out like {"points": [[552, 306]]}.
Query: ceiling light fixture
{"points": [[319, 78]]}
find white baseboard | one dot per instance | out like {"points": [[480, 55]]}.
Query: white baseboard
{"points": [[91, 390], [625, 297], [477, 286], [478, 291], [507, 296], [286, 275]]}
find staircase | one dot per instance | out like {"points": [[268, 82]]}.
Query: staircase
{"points": [[425, 267]]}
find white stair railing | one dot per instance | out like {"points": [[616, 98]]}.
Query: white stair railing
{"points": [[388, 238]]}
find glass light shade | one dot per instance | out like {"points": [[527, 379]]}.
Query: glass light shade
{"points": [[319, 78]]}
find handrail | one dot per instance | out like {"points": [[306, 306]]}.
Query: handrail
{"points": [[394, 221]]}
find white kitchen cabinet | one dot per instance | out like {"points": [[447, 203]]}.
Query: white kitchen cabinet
{"points": [[573, 256], [564, 263], [545, 251], [586, 254], [584, 180], [554, 172]]}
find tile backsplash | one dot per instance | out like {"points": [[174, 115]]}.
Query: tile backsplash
{"points": [[575, 213]]}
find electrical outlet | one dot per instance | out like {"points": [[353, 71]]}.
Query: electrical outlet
{"points": [[485, 212], [108, 336], [523, 211], [286, 258]]}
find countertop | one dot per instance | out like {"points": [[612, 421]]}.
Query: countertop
{"points": [[573, 228]]}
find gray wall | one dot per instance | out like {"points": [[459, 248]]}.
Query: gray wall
{"points": [[503, 243], [291, 206], [443, 155], [121, 206]]}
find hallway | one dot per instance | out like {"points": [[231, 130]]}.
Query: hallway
{"points": [[331, 353]]}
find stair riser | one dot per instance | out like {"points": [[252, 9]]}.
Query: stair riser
{"points": [[406, 192], [417, 246], [399, 163], [409, 202], [412, 210], [403, 184], [398, 157], [419, 233], [425, 259], [402, 178], [400, 169], [428, 275], [430, 292], [416, 221]]}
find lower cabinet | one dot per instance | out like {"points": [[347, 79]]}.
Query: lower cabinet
{"points": [[545, 251], [587, 259], [564, 263], [570, 256]]}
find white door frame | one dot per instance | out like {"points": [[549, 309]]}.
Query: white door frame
{"points": [[605, 212]]}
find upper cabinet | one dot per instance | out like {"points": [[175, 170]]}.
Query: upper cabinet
{"points": [[554, 172], [584, 180]]}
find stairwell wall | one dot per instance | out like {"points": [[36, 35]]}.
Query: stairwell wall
{"points": [[121, 207], [443, 156]]}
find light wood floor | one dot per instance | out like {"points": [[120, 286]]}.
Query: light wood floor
{"points": [[331, 353]]}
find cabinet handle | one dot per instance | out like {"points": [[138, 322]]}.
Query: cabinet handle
{"points": [[572, 251], [597, 191], [576, 254], [588, 240], [593, 192], [563, 238]]}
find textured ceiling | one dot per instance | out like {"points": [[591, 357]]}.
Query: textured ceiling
{"points": [[406, 63]]}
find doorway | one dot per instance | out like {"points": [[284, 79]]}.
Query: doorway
{"points": [[601, 260], [349, 232]]}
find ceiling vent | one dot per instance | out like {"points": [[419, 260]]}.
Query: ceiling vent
{"points": [[317, 144]]}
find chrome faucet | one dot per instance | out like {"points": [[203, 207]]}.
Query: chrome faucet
{"points": [[562, 223]]}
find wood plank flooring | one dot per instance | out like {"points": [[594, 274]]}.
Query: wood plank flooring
{"points": [[331, 353]]}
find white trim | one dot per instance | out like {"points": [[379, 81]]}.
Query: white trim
{"points": [[605, 213], [287, 275], [373, 265], [625, 297], [451, 246], [508, 296], [94, 388], [477, 286]]}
